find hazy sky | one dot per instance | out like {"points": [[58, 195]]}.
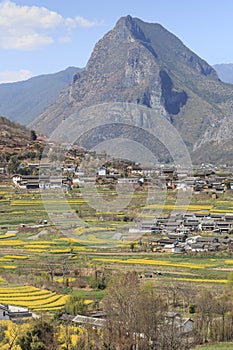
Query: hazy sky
{"points": [[46, 36]]}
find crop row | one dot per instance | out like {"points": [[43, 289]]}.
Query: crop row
{"points": [[10, 257], [199, 280], [28, 298], [229, 262], [70, 279], [36, 250], [37, 246], [32, 297], [27, 202], [30, 303], [21, 290], [58, 304], [7, 235], [152, 262], [181, 207]]}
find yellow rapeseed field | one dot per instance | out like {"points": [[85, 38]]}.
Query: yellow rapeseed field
{"points": [[229, 262], [152, 262], [32, 297], [198, 280]]}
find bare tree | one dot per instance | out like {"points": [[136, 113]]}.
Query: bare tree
{"points": [[121, 304], [205, 308], [223, 305], [137, 317]]}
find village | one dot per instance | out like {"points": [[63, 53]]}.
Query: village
{"points": [[192, 231]]}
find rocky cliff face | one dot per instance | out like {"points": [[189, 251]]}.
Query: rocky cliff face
{"points": [[145, 64]]}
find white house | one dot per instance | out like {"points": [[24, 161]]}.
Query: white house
{"points": [[11, 312], [16, 180], [102, 171]]}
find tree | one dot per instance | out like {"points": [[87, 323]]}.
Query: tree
{"points": [[33, 135], [223, 305], [134, 313], [138, 317], [14, 333], [132, 245], [39, 148], [120, 304], [174, 291], [150, 315], [13, 165], [205, 307], [75, 305], [41, 336], [230, 281]]}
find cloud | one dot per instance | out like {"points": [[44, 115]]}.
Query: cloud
{"points": [[31, 41], [80, 21], [13, 76], [33, 27]]}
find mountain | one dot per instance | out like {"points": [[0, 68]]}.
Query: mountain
{"points": [[225, 72], [31, 97], [13, 135], [144, 63], [19, 146]]}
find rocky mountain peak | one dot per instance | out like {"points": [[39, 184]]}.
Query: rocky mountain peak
{"points": [[128, 28], [123, 66], [144, 63]]}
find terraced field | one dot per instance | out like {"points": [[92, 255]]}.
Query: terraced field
{"points": [[31, 297], [197, 269]]}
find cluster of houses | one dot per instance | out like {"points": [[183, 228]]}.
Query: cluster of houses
{"points": [[76, 160], [97, 320], [183, 233], [193, 244], [190, 223], [124, 172], [199, 180], [42, 182], [74, 163]]}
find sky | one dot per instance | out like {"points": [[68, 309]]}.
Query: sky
{"points": [[47, 36]]}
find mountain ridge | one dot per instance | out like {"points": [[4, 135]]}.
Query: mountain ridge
{"points": [[225, 72], [143, 63], [32, 96]]}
